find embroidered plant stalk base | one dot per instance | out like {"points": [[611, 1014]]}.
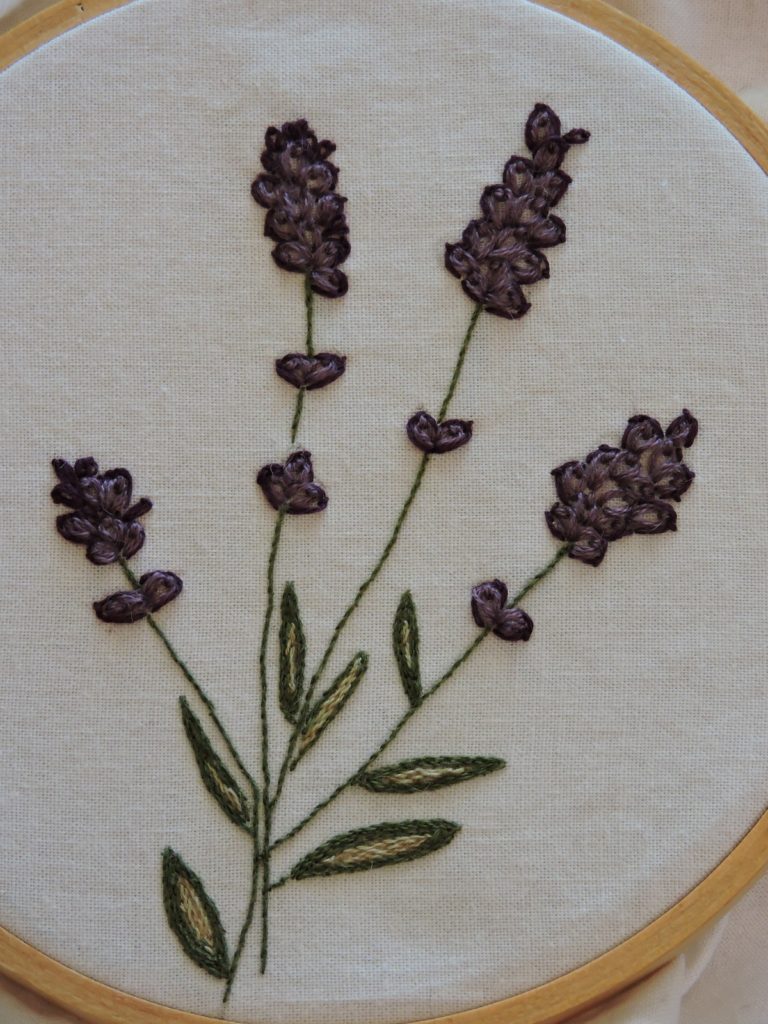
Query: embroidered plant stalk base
{"points": [[363, 713]]}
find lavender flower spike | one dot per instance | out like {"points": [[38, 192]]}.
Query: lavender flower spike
{"points": [[305, 214], [501, 251], [490, 611], [290, 488], [103, 518], [615, 492]]}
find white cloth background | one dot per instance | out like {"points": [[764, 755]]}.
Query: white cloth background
{"points": [[659, 1001]]}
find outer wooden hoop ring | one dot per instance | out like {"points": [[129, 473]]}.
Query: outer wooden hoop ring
{"points": [[654, 945]]}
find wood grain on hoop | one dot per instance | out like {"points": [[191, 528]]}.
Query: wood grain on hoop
{"points": [[655, 944]]}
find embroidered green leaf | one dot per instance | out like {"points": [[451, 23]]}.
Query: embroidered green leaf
{"points": [[405, 638], [375, 846], [193, 916], [214, 773], [330, 704], [292, 655], [423, 773]]}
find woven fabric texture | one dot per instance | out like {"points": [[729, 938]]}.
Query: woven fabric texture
{"points": [[143, 313]]}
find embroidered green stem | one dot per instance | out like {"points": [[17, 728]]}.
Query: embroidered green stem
{"points": [[255, 865], [209, 705], [460, 362], [430, 692], [379, 565], [309, 345], [309, 299], [297, 414], [265, 774]]}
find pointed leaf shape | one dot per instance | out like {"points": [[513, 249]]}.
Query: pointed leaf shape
{"points": [[422, 773], [193, 916], [214, 773], [330, 704], [375, 846], [405, 639], [293, 651]]}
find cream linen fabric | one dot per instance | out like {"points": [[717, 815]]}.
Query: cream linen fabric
{"points": [[143, 312]]}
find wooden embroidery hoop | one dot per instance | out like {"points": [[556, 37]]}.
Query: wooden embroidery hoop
{"points": [[651, 947]]}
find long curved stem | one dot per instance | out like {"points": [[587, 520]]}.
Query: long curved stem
{"points": [[463, 657], [265, 773], [187, 673], [379, 564], [255, 865]]}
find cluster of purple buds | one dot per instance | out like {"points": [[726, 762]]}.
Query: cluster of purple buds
{"points": [[501, 251], [305, 216], [490, 611], [155, 590], [436, 438], [615, 492], [310, 372], [290, 487], [103, 518]]}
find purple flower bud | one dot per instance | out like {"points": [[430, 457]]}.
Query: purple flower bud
{"points": [[652, 517], [542, 124], [159, 587], [115, 539], [436, 438], [590, 547], [489, 611], [310, 372], [290, 487], [124, 606], [78, 529], [683, 429], [116, 488], [641, 431]]}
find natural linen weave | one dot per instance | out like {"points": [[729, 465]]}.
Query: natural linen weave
{"points": [[143, 314]]}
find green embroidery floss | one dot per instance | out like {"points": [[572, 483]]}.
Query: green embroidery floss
{"points": [[420, 774], [375, 846], [193, 916], [405, 641]]}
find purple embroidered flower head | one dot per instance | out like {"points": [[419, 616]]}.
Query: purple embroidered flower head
{"points": [[305, 216], [155, 589], [310, 372], [490, 611], [103, 517], [433, 437], [291, 488], [615, 492], [501, 251]]}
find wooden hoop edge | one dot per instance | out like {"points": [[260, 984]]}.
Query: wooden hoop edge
{"points": [[551, 1003], [652, 946]]}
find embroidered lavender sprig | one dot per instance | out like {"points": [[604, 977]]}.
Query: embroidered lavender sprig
{"points": [[518, 219], [307, 219]]}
